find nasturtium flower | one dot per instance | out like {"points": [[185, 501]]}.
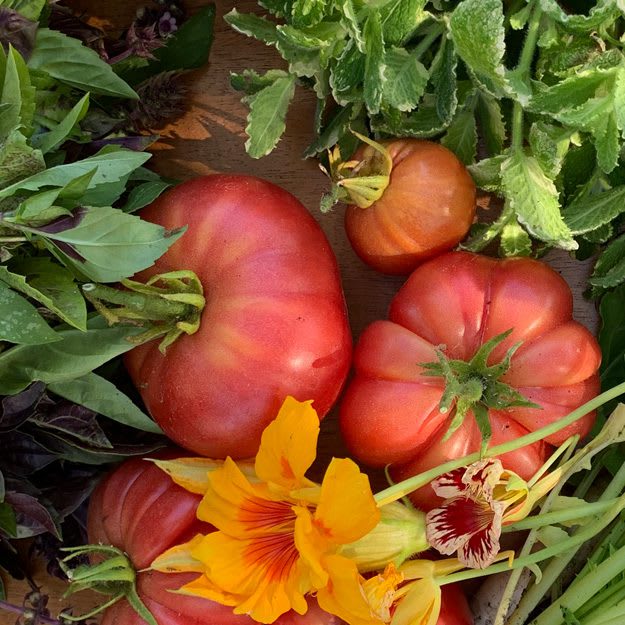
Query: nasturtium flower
{"points": [[278, 534], [478, 501]]}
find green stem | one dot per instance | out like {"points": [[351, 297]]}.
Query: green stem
{"points": [[13, 239], [553, 571], [425, 44], [559, 516], [602, 601], [399, 490]]}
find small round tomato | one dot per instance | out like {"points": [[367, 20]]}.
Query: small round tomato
{"points": [[390, 413], [427, 207], [274, 324], [139, 510]]}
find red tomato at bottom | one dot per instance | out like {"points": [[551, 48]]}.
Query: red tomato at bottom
{"points": [[454, 607], [142, 512]]}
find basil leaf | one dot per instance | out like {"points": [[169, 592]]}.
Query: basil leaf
{"points": [[144, 194], [19, 94], [609, 269], [534, 199], [594, 211], [109, 165], [461, 136], [405, 79], [400, 19], [374, 78], [20, 322], [106, 244], [8, 523], [67, 60], [51, 285], [103, 397], [265, 122], [253, 26], [32, 517], [75, 355]]}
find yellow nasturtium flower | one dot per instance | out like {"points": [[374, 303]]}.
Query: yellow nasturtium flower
{"points": [[279, 535]]}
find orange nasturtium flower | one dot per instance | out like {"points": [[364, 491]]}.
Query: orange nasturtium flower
{"points": [[278, 534]]}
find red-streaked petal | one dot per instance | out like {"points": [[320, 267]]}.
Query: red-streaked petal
{"points": [[482, 547], [482, 476], [450, 485], [448, 528]]}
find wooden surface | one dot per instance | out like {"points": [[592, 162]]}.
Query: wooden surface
{"points": [[210, 138]]}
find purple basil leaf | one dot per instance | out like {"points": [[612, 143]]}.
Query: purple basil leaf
{"points": [[68, 487], [32, 517], [16, 409], [10, 560], [77, 422], [22, 454], [67, 222]]}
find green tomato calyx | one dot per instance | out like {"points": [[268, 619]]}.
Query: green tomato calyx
{"points": [[476, 386], [167, 305], [360, 182]]}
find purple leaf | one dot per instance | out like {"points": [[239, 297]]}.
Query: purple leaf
{"points": [[22, 454], [32, 517], [16, 409]]}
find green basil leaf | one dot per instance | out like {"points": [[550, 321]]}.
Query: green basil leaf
{"points": [[67, 60], [549, 146], [375, 77], [400, 19], [18, 159], [609, 269], [109, 165], [8, 524], [443, 78], [351, 23], [144, 194], [111, 244], [603, 12], [347, 75], [103, 397], [534, 199], [336, 128], [405, 79], [49, 284], [265, 122], [75, 355], [309, 12], [250, 82], [19, 94], [51, 140], [461, 136], [279, 8], [487, 173]]}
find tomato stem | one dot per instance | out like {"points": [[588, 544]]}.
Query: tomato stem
{"points": [[399, 490], [167, 305]]}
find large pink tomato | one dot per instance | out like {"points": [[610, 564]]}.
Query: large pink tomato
{"points": [[274, 324], [142, 512], [456, 302]]}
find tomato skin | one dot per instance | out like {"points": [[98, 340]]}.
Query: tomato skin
{"points": [[138, 509], [454, 607], [389, 412], [427, 208], [275, 322]]}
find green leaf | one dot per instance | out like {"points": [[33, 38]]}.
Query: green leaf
{"points": [[250, 82], [487, 173], [75, 355], [347, 75], [603, 12], [20, 322], [68, 61], [265, 122], [144, 194], [405, 79], [461, 136], [534, 199], [514, 240], [253, 26], [491, 121], [594, 211], [30, 9], [309, 12], [549, 146], [49, 284], [351, 24], [400, 19], [103, 397], [112, 244], [279, 8], [477, 29], [607, 142], [109, 165], [443, 77], [612, 337], [338, 126], [8, 524], [609, 269], [375, 77], [19, 94], [18, 159], [51, 140]]}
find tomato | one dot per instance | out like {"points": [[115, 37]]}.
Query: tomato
{"points": [[454, 607], [141, 511], [427, 208], [390, 410], [275, 321]]}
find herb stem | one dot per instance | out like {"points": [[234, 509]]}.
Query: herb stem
{"points": [[424, 45], [13, 239], [45, 620], [399, 490]]}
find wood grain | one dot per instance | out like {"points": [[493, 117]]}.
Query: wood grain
{"points": [[210, 138]]}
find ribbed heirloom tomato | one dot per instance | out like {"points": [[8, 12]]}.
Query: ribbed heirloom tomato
{"points": [[426, 209], [140, 510], [457, 302], [274, 324]]}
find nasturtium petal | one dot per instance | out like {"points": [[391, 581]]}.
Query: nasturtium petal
{"points": [[289, 445], [420, 606], [178, 559], [346, 509], [203, 587]]}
